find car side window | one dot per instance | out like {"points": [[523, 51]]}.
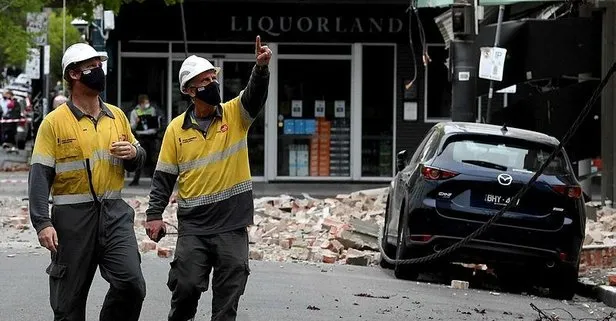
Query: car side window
{"points": [[420, 149]]}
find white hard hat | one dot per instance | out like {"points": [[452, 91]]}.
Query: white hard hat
{"points": [[193, 66], [80, 52]]}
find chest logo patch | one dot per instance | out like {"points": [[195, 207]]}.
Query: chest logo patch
{"points": [[224, 128], [63, 141], [187, 140]]}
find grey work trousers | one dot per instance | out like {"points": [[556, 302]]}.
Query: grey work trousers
{"points": [[195, 256], [92, 235]]}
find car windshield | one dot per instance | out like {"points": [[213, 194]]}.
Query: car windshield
{"points": [[511, 155]]}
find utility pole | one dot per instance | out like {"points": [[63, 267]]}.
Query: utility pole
{"points": [[97, 38], [462, 60]]}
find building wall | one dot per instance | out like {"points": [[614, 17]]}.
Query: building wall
{"points": [[164, 25]]}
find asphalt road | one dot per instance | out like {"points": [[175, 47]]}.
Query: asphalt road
{"points": [[285, 291]]}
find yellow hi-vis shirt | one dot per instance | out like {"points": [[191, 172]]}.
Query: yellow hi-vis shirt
{"points": [[215, 185], [78, 150]]}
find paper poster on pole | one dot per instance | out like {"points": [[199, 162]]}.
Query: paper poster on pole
{"points": [[296, 108], [492, 63], [37, 24], [340, 108], [33, 64], [319, 108], [46, 57]]}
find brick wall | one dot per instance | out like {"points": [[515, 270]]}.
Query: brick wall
{"points": [[597, 257]]}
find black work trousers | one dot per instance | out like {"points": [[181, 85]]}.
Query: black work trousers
{"points": [[92, 235], [195, 256]]}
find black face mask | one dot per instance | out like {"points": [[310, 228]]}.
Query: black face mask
{"points": [[94, 79], [209, 94]]}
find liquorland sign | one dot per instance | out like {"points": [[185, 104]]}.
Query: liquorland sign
{"points": [[279, 25], [285, 22]]}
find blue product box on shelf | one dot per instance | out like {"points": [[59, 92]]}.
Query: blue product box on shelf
{"points": [[299, 127], [310, 126], [289, 126]]}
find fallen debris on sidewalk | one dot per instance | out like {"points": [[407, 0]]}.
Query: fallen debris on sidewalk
{"points": [[339, 230]]}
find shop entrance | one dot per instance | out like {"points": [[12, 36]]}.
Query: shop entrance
{"points": [[314, 118]]}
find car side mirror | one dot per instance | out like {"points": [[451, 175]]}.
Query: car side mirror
{"points": [[401, 160]]}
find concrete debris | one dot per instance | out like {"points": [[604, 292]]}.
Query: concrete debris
{"points": [[602, 230], [339, 230], [164, 252], [457, 284]]}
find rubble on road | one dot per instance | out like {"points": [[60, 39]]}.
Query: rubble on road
{"points": [[602, 230], [339, 230]]}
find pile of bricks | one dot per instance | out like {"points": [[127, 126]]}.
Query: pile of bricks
{"points": [[16, 217], [339, 230], [601, 227], [599, 250]]}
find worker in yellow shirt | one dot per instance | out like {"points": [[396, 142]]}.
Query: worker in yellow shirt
{"points": [[81, 151], [206, 148]]}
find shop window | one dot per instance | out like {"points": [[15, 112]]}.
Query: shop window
{"points": [[377, 111], [314, 118], [437, 100], [144, 76]]}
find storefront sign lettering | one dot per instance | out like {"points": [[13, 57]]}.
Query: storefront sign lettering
{"points": [[276, 26]]}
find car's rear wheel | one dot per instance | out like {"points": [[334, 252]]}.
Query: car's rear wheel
{"points": [[388, 249], [563, 282], [404, 271]]}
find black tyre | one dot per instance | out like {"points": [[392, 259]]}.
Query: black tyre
{"points": [[388, 249], [404, 271], [563, 282]]}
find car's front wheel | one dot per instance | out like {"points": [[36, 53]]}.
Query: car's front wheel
{"points": [[404, 271]]}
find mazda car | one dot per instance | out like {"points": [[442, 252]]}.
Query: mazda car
{"points": [[464, 173]]}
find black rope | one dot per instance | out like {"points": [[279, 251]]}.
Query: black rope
{"points": [[184, 28]]}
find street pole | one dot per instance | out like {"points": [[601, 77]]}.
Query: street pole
{"points": [[462, 62], [96, 37], [44, 75], [63, 39], [501, 12]]}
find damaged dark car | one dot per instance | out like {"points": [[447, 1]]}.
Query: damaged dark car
{"points": [[464, 173]]}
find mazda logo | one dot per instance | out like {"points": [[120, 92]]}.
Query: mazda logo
{"points": [[505, 179]]}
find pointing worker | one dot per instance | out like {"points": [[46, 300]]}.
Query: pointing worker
{"points": [[81, 151], [206, 148]]}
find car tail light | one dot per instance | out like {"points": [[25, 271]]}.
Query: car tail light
{"points": [[573, 191], [432, 173], [562, 256]]}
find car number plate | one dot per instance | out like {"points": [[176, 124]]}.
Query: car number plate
{"points": [[498, 200]]}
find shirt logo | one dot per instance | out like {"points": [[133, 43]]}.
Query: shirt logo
{"points": [[224, 128], [62, 141], [187, 140]]}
